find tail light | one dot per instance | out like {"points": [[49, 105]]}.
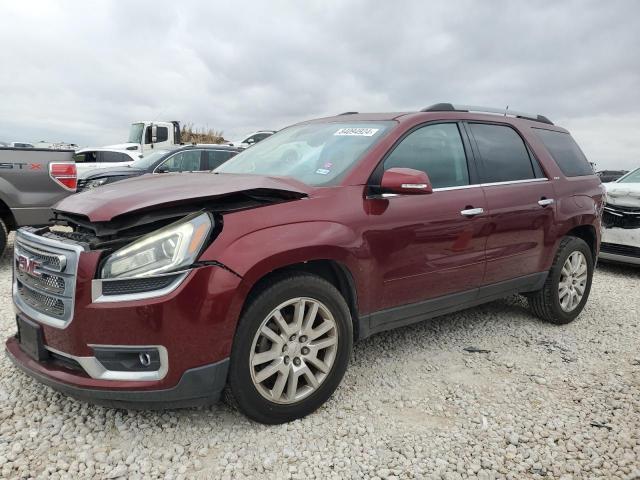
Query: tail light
{"points": [[65, 174]]}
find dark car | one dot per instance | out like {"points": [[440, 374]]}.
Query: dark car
{"points": [[192, 158], [164, 289]]}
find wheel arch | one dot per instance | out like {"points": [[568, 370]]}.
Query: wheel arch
{"points": [[589, 235], [7, 216], [333, 271]]}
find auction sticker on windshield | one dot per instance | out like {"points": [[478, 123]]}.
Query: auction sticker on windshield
{"points": [[357, 132]]}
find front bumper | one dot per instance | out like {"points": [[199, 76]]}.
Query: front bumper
{"points": [[620, 245], [191, 326], [197, 386]]}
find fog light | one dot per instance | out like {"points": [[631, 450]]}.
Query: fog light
{"points": [[128, 359]]}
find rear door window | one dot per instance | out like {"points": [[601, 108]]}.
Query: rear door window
{"points": [[188, 161], [504, 154], [85, 157], [215, 158], [566, 152], [113, 157], [436, 150]]}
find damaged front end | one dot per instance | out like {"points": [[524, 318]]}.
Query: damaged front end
{"points": [[621, 233], [126, 228], [140, 254]]}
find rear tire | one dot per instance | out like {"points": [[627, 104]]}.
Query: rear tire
{"points": [[298, 327], [566, 289]]}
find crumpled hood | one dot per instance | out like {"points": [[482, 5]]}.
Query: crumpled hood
{"points": [[151, 192], [623, 194]]}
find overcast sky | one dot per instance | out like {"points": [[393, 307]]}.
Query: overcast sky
{"points": [[82, 71]]}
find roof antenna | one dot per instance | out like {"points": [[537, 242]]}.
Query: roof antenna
{"points": [[505, 110]]}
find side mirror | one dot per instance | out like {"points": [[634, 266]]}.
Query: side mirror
{"points": [[251, 141], [405, 181], [154, 133]]}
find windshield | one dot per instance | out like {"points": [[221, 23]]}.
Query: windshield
{"points": [[135, 133], [148, 160], [317, 154], [632, 177]]}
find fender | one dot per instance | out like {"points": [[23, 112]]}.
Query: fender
{"points": [[8, 193], [256, 254]]}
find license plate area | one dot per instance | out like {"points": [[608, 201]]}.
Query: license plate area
{"points": [[31, 339]]}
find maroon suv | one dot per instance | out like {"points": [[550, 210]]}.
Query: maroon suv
{"points": [[159, 291]]}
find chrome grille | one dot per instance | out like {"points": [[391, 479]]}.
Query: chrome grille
{"points": [[52, 261], [621, 217], [46, 282], [42, 302], [45, 272]]}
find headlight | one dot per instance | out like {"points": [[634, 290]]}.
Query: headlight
{"points": [[173, 247], [94, 183]]}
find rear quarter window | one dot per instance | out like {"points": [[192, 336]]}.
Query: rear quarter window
{"points": [[566, 152]]}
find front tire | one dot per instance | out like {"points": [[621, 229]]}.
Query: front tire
{"points": [[291, 349], [566, 289]]}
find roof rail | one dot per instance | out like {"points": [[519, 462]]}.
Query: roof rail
{"points": [[448, 107], [347, 113]]}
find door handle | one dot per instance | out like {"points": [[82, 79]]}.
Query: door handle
{"points": [[471, 212], [543, 202]]}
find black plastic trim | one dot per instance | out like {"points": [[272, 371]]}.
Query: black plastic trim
{"points": [[129, 286], [416, 312], [198, 386], [619, 249]]}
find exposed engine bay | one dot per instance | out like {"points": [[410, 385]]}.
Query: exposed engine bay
{"points": [[124, 229]]}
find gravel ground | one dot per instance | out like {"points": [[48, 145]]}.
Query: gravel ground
{"points": [[544, 402]]}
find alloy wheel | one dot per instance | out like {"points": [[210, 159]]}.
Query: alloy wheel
{"points": [[573, 281], [293, 350]]}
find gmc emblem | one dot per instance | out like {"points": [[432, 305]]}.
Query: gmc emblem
{"points": [[28, 265]]}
